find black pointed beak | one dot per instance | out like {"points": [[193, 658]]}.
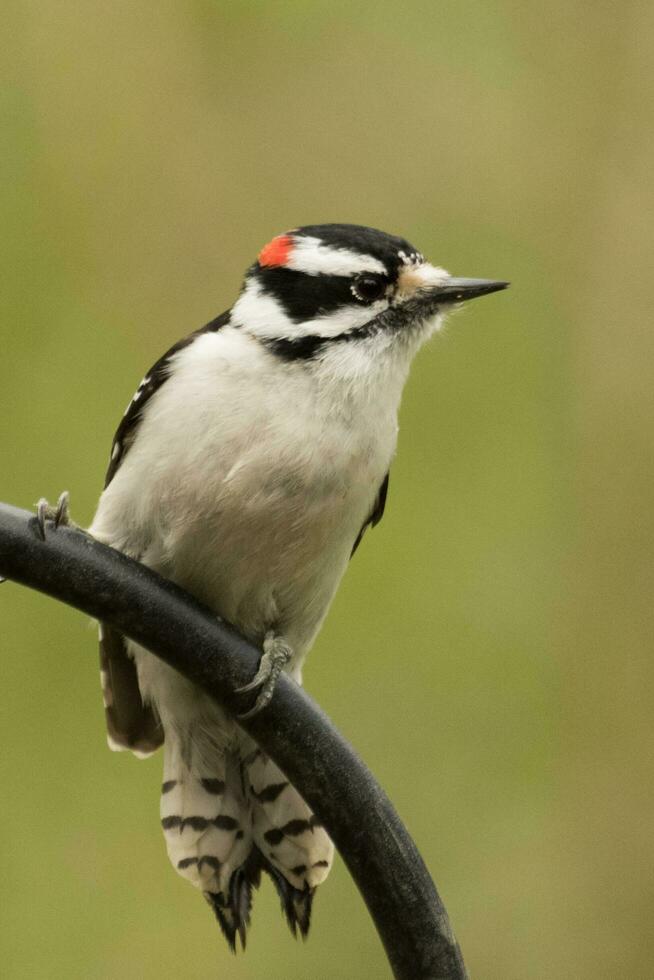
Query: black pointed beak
{"points": [[455, 290]]}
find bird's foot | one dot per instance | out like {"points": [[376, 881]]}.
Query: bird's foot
{"points": [[59, 515], [276, 654]]}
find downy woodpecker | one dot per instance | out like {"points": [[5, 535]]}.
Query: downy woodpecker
{"points": [[249, 463]]}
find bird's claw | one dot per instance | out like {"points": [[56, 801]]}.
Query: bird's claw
{"points": [[276, 654], [59, 515]]}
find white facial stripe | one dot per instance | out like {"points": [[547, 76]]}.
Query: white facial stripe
{"points": [[263, 316], [310, 256], [341, 321]]}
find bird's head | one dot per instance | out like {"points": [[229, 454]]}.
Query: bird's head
{"points": [[321, 286]]}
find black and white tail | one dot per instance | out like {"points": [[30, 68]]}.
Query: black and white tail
{"points": [[226, 818], [227, 811], [207, 823], [293, 847]]}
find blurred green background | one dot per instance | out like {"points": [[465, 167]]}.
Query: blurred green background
{"points": [[489, 651]]}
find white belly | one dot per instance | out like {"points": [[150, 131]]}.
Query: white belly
{"points": [[250, 496]]}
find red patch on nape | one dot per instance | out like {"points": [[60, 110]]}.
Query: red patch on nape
{"points": [[277, 251]]}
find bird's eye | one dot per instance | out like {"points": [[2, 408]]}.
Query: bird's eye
{"points": [[367, 288]]}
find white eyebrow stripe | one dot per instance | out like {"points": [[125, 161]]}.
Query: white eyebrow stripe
{"points": [[311, 256]]}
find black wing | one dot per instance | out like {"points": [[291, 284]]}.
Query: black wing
{"points": [[126, 431], [376, 513], [132, 724]]}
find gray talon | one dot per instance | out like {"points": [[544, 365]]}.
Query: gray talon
{"points": [[41, 513], [59, 515], [62, 515], [276, 654]]}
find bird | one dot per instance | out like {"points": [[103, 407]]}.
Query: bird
{"points": [[250, 462]]}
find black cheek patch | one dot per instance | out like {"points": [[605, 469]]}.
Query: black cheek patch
{"points": [[304, 297]]}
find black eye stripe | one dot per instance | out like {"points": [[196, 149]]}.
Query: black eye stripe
{"points": [[303, 296]]}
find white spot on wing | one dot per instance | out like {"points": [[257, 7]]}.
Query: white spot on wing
{"points": [[117, 747], [139, 391], [107, 696], [114, 745]]}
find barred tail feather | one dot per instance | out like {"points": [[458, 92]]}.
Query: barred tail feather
{"points": [[226, 817], [208, 829], [296, 851]]}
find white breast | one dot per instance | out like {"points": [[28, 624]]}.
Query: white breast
{"points": [[250, 478]]}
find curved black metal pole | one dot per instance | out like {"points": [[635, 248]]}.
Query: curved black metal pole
{"points": [[382, 858]]}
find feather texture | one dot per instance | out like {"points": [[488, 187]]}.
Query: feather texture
{"points": [[131, 724], [246, 469]]}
